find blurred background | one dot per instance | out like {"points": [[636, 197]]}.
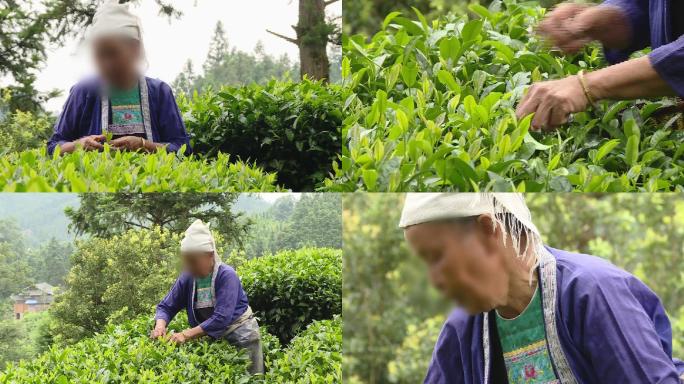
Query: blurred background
{"points": [[392, 316]]}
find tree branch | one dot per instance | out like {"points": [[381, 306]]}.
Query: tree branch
{"points": [[329, 2], [291, 40]]}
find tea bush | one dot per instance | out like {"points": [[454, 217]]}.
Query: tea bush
{"points": [[289, 128], [110, 171], [291, 289], [313, 357], [125, 354], [431, 107]]}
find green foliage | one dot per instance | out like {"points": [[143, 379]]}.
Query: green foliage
{"points": [[409, 364], [21, 340], [107, 214], [431, 106], [125, 354], [114, 278], [390, 310], [108, 171], [49, 263], [24, 130], [15, 272], [315, 220], [288, 128], [313, 357], [291, 289]]}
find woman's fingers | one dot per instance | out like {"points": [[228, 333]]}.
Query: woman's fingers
{"points": [[528, 104], [92, 144], [559, 116], [157, 333], [542, 116], [117, 142], [561, 28]]}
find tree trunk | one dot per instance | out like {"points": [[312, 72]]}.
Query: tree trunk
{"points": [[312, 39]]}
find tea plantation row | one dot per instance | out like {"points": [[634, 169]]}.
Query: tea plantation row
{"points": [[125, 354], [431, 107]]}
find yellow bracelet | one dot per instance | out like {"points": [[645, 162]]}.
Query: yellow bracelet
{"points": [[585, 88]]}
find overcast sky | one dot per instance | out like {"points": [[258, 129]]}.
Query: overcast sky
{"points": [[169, 43]]}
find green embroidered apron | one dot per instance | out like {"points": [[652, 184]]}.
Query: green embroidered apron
{"points": [[523, 340]]}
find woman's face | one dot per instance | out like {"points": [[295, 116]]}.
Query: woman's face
{"points": [[116, 59], [198, 264], [465, 261]]}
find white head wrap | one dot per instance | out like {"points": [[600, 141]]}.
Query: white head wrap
{"points": [[114, 19], [426, 207], [198, 238]]}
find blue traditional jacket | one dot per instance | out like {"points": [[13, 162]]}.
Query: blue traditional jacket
{"points": [[230, 301], [86, 111], [660, 25], [603, 325]]}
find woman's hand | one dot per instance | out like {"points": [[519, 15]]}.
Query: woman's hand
{"points": [[178, 338], [159, 329], [129, 143], [89, 143], [569, 27], [552, 102]]}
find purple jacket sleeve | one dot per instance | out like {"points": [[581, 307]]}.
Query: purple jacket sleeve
{"points": [[626, 334], [227, 295], [446, 366], [171, 127], [668, 61], [66, 128], [174, 301], [637, 13]]}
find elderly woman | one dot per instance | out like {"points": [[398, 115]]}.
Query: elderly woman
{"points": [[623, 27], [213, 298], [529, 313], [140, 113]]}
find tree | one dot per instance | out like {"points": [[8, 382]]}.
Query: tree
{"points": [[15, 273], [218, 48], [185, 82], [314, 31], [226, 66], [105, 215], [114, 278], [316, 221], [50, 262]]}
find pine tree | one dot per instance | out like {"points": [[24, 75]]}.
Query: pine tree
{"points": [[218, 48], [185, 82]]}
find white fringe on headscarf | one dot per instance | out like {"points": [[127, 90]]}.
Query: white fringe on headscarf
{"points": [[507, 210]]}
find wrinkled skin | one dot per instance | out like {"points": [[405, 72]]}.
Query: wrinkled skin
{"points": [[467, 262]]}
